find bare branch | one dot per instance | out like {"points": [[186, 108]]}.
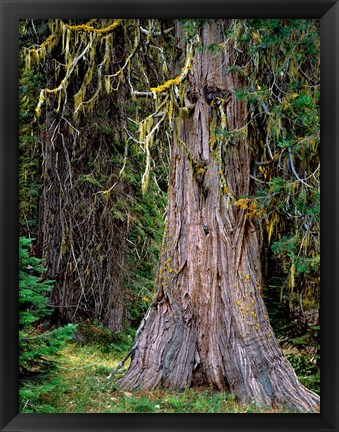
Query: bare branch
{"points": [[294, 170], [146, 32]]}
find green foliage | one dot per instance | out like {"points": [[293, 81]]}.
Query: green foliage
{"points": [[29, 153], [144, 216], [95, 334], [276, 301], [37, 347], [38, 395], [145, 238], [305, 358], [30, 83], [299, 340], [191, 27], [32, 290], [281, 85]]}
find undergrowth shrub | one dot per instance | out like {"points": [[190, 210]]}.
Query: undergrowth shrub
{"points": [[94, 333], [305, 358], [39, 346]]}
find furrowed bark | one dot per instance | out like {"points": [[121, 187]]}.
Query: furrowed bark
{"points": [[208, 324], [82, 243]]}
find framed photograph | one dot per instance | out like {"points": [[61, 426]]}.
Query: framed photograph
{"points": [[161, 215]]}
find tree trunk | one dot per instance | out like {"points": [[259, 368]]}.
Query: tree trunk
{"points": [[82, 243], [208, 323]]}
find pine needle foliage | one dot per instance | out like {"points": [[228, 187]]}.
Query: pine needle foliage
{"points": [[38, 347], [282, 76]]}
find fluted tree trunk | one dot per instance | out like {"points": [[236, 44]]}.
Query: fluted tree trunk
{"points": [[208, 324]]}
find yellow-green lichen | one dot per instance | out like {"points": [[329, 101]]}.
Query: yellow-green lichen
{"points": [[213, 138], [89, 28], [177, 80]]}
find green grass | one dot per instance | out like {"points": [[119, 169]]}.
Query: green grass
{"points": [[79, 384]]}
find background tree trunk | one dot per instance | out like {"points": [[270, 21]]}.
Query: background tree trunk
{"points": [[82, 242], [208, 323]]}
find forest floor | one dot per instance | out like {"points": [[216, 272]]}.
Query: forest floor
{"points": [[79, 384]]}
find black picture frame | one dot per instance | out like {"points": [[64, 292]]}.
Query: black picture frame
{"points": [[13, 10]]}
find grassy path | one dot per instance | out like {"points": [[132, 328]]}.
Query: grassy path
{"points": [[83, 387]]}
